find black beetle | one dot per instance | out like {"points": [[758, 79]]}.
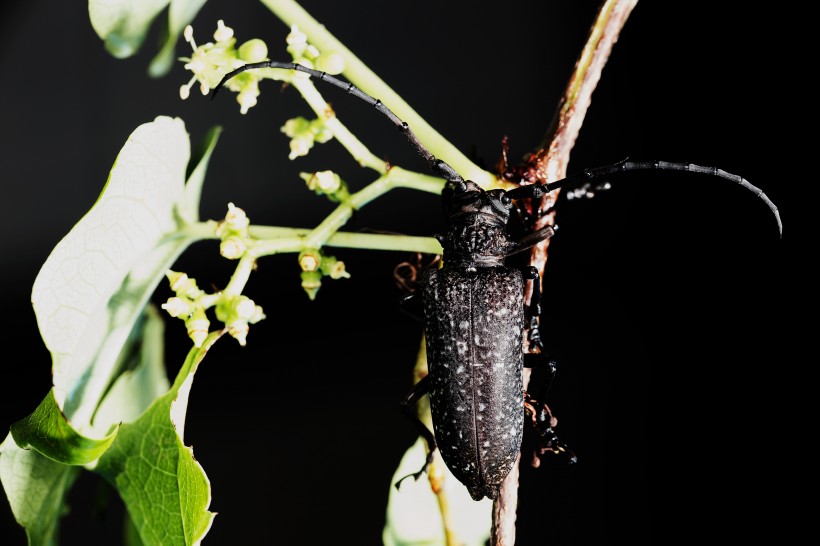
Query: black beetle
{"points": [[475, 317], [475, 320]]}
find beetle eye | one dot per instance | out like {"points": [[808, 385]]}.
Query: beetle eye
{"points": [[505, 200]]}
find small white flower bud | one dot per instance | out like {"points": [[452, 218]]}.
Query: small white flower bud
{"points": [[296, 36], [338, 271], [223, 33], [258, 314], [198, 330], [309, 261], [232, 248], [188, 33], [238, 329], [327, 181], [236, 217], [244, 308], [247, 100], [177, 307]]}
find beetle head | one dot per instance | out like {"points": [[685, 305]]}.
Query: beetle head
{"points": [[465, 197]]}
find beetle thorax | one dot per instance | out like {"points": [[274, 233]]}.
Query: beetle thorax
{"points": [[477, 234], [475, 240]]}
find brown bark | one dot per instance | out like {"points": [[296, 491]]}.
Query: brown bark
{"points": [[549, 164]]}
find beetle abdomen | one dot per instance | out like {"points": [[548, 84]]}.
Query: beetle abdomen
{"points": [[474, 326]]}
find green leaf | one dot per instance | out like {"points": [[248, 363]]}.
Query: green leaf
{"points": [[36, 489], [189, 207], [123, 24], [131, 535], [142, 382], [164, 488], [180, 14], [96, 282], [413, 515], [49, 432]]}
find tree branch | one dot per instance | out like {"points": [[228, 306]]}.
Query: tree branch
{"points": [[548, 164]]}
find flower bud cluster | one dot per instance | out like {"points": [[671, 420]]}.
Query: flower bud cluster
{"points": [[316, 265], [211, 61]]}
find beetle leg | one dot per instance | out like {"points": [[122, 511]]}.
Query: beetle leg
{"points": [[541, 417], [534, 309], [408, 405], [544, 423], [529, 241], [411, 305]]}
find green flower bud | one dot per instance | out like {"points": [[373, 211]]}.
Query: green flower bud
{"points": [[333, 268], [253, 51], [183, 285], [311, 282], [244, 307], [238, 329], [257, 315], [296, 126], [178, 307], [197, 326], [233, 247], [296, 36], [324, 182], [236, 219], [331, 62], [223, 33], [321, 132], [300, 146], [237, 313], [247, 96], [311, 53], [310, 260]]}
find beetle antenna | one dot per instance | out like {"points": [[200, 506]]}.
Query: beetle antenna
{"points": [[589, 175], [438, 166]]}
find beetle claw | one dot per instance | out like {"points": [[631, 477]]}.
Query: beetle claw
{"points": [[417, 475], [551, 444]]}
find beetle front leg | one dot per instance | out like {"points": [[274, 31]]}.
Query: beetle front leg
{"points": [[408, 408]]}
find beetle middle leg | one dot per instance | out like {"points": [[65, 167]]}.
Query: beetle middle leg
{"points": [[408, 408], [534, 309], [410, 304]]}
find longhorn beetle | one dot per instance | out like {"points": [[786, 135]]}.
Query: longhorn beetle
{"points": [[475, 317]]}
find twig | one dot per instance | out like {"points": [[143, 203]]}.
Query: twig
{"points": [[290, 12], [548, 164]]}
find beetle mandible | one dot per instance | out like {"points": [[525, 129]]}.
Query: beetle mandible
{"points": [[475, 317]]}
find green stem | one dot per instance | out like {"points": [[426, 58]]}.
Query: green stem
{"points": [[353, 145], [342, 239], [277, 240], [240, 276], [395, 178], [355, 70]]}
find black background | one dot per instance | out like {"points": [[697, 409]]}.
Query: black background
{"points": [[668, 299]]}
